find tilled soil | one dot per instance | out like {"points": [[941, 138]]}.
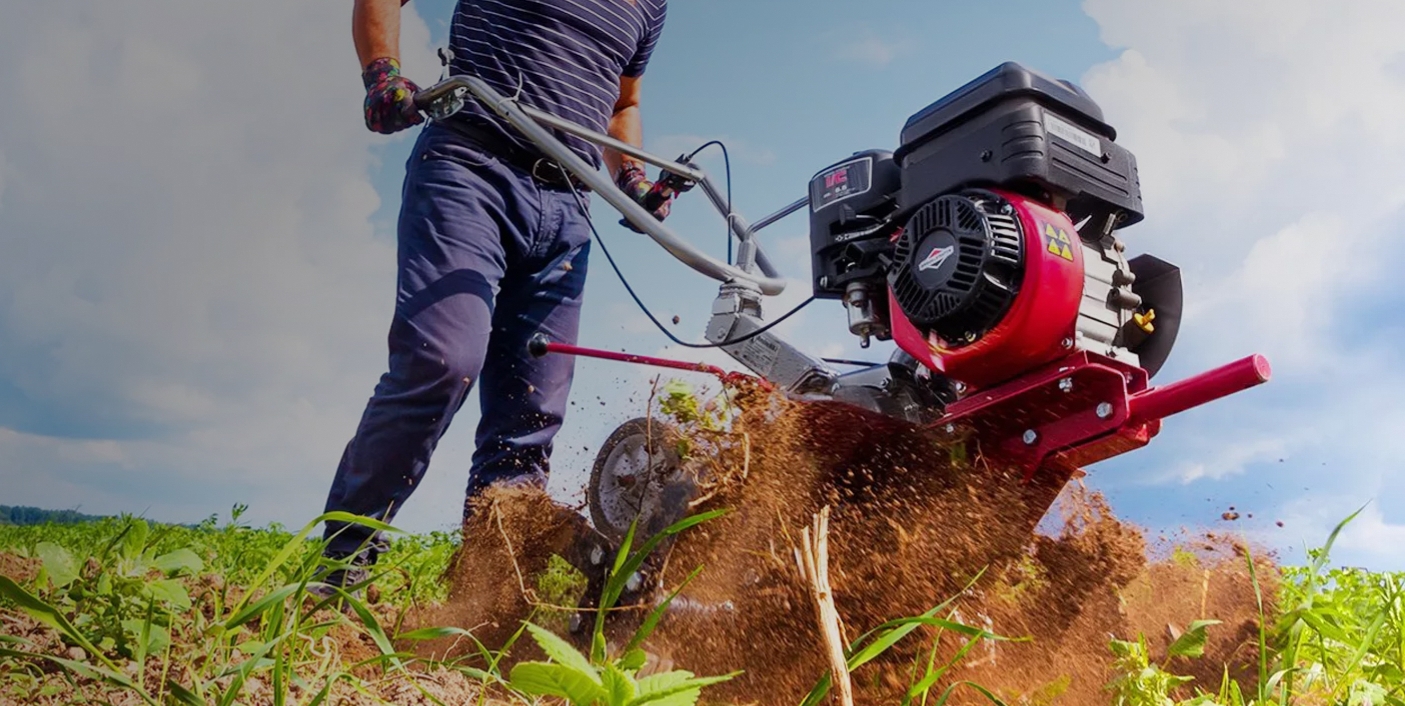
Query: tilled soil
{"points": [[915, 520]]}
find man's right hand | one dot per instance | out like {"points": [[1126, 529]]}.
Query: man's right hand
{"points": [[390, 105]]}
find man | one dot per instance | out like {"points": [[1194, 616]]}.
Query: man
{"points": [[492, 243]]}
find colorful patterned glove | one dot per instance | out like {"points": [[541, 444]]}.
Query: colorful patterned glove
{"points": [[390, 103], [656, 198]]}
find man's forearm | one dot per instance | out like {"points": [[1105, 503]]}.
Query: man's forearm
{"points": [[625, 126], [375, 28]]}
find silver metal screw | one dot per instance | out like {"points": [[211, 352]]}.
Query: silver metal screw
{"points": [[1030, 436], [1066, 343], [950, 428], [1104, 410], [1066, 384], [960, 388]]}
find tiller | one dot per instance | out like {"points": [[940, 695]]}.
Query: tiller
{"points": [[985, 246]]}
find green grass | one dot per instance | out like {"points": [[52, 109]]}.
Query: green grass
{"points": [[1340, 639], [218, 614]]}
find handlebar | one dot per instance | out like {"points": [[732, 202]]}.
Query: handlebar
{"points": [[444, 99]]}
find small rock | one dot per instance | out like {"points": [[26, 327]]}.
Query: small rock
{"points": [[1230, 516], [676, 319], [1279, 523], [373, 594], [77, 654]]}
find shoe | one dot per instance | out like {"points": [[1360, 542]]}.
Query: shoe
{"points": [[351, 580]]}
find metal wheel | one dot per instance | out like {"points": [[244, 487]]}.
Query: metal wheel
{"points": [[638, 475]]}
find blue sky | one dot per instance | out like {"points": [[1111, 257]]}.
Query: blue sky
{"points": [[196, 237]]}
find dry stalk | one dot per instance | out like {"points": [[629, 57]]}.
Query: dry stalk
{"points": [[813, 558], [512, 554]]}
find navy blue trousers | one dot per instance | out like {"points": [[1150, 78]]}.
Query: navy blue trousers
{"points": [[487, 257]]}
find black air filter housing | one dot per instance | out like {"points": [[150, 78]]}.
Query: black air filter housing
{"points": [[1018, 129], [958, 265]]}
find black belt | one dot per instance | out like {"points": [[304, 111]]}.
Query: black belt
{"points": [[542, 168]]}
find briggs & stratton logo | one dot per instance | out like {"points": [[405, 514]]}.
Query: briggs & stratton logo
{"points": [[935, 258]]}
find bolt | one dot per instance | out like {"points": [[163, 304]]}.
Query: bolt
{"points": [[1066, 343], [950, 428], [1006, 208], [960, 388], [1030, 436], [1104, 410], [1066, 384]]}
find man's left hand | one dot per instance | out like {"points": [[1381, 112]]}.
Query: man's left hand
{"points": [[390, 104]]}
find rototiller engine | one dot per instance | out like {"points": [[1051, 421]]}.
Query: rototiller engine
{"points": [[986, 247]]}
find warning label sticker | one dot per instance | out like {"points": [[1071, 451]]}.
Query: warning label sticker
{"points": [[1070, 133], [1057, 242]]}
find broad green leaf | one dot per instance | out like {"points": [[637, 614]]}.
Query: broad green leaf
{"points": [[562, 652], [633, 660], [157, 639], [178, 562], [171, 592], [683, 693], [58, 564], [542, 679], [658, 683], [1191, 643], [135, 540], [619, 687]]}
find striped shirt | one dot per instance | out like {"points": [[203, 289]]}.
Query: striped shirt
{"points": [[564, 57]]}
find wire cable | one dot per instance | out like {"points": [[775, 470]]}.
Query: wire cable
{"points": [[727, 165], [642, 307]]}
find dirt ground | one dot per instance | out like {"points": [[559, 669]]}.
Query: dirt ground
{"points": [[914, 522]]}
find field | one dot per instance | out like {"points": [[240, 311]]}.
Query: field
{"points": [[121, 611], [124, 611]]}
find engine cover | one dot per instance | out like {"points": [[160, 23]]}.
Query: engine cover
{"points": [[958, 265], [1036, 325]]}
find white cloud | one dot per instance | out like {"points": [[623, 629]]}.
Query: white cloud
{"points": [[192, 282], [1268, 141], [873, 49], [1231, 459]]}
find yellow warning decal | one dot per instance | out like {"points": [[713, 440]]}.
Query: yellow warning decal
{"points": [[1058, 242]]}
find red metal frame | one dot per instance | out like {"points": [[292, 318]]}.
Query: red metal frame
{"points": [[726, 376], [1084, 409], [1072, 413]]}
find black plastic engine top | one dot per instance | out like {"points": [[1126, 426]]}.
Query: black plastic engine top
{"points": [[1005, 81], [1016, 129]]}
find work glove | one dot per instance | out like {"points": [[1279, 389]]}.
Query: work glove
{"points": [[390, 105], [655, 197]]}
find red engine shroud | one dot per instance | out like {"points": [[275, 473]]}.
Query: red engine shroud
{"points": [[1040, 324]]}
